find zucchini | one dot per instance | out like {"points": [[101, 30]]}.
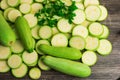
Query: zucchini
{"points": [[7, 35], [30, 58], [77, 42], [80, 31], [26, 1], [79, 5], [35, 7], [93, 12], [13, 3], [17, 47], [96, 29], [91, 2], [31, 19], [105, 47], [24, 33], [39, 43], [3, 4], [5, 52], [35, 32], [89, 58], [20, 72], [59, 40], [14, 61], [64, 25], [67, 66], [62, 52], [34, 73], [3, 66], [42, 66], [25, 8]]}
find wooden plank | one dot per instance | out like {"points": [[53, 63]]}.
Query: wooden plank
{"points": [[107, 67]]}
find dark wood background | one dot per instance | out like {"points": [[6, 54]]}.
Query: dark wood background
{"points": [[107, 67]]}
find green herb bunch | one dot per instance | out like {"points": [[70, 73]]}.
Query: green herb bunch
{"points": [[55, 8]]}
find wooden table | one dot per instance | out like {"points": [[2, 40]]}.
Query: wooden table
{"points": [[108, 67]]}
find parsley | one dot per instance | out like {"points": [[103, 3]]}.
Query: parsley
{"points": [[55, 8]]}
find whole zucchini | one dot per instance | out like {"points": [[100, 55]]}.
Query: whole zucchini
{"points": [[67, 66], [24, 33], [62, 52], [7, 35]]}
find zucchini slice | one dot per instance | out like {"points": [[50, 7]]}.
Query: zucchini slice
{"points": [[59, 40], [3, 4], [34, 73], [26, 1], [80, 5], [45, 32], [13, 14], [105, 33], [14, 61], [64, 25], [13, 3], [30, 59], [104, 13], [36, 7], [5, 13], [77, 42], [91, 2], [89, 58], [20, 72], [42, 66], [3, 66], [96, 29], [39, 43], [5, 52], [31, 19], [25, 8], [92, 43], [35, 32], [80, 31], [17, 47], [93, 13], [80, 16], [105, 47], [55, 30]]}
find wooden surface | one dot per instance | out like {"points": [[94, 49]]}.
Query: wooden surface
{"points": [[107, 68]]}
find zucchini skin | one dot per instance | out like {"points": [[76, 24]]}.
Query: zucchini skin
{"points": [[67, 66], [7, 35], [24, 33], [62, 52]]}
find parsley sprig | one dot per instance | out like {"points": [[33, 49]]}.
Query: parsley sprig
{"points": [[54, 8]]}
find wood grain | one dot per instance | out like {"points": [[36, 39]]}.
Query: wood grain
{"points": [[107, 67]]}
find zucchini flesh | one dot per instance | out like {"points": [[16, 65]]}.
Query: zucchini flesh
{"points": [[20, 72], [67, 66], [62, 52], [24, 33], [89, 58], [7, 35], [3, 66], [35, 73], [5, 52]]}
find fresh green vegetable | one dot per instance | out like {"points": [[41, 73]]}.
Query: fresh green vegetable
{"points": [[105, 47], [24, 33], [5, 52], [25, 8], [3, 66], [77, 42], [62, 52], [89, 58], [30, 58], [41, 64], [3, 4], [7, 36], [17, 47], [20, 72], [35, 73], [14, 61], [67, 66], [53, 8], [63, 41], [13, 3], [35, 32]]}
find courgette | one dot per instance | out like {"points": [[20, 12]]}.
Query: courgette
{"points": [[67, 66], [62, 52], [24, 33], [7, 36]]}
